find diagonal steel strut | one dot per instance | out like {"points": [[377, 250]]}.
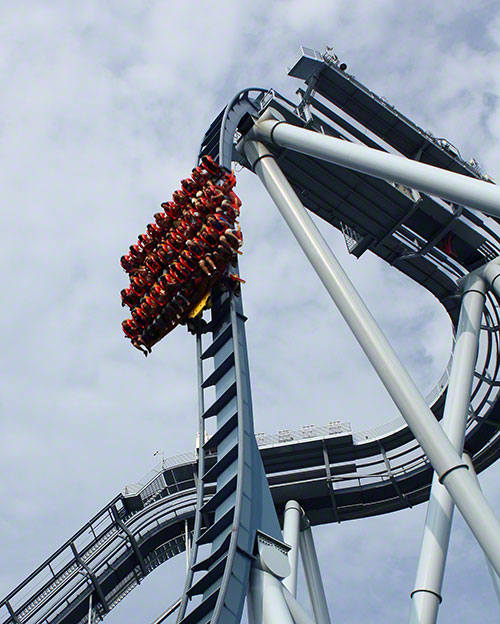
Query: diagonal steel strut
{"points": [[453, 473], [477, 194]]}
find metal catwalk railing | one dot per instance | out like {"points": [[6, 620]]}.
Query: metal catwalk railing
{"points": [[59, 590]]}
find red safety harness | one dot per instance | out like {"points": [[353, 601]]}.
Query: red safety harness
{"points": [[137, 252], [209, 237], [178, 272], [208, 163], [130, 328], [153, 265], [155, 232], [188, 260], [171, 209], [145, 242]]}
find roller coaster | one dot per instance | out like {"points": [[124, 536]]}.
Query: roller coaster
{"points": [[226, 502]]}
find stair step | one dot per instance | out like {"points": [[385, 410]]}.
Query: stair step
{"points": [[202, 610], [221, 433], [220, 495], [221, 402], [204, 564], [219, 372], [221, 339], [217, 527], [219, 467], [208, 579]]}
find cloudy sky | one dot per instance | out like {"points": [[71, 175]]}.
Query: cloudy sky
{"points": [[103, 106]]}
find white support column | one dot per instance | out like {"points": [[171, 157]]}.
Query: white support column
{"points": [[299, 615], [477, 194], [291, 529], [265, 599], [90, 609], [453, 473], [494, 576], [491, 272], [426, 597], [313, 576]]}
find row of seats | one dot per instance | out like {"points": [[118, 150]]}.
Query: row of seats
{"points": [[190, 246]]}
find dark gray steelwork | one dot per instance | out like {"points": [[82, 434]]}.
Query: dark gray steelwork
{"points": [[219, 138], [155, 514], [375, 113], [241, 503], [374, 472], [200, 483]]}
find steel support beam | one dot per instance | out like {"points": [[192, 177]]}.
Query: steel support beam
{"points": [[299, 615], [188, 544], [291, 529], [13, 616], [200, 487], [265, 599], [426, 597], [171, 609], [313, 576], [93, 579], [131, 539], [491, 272], [329, 483], [453, 473], [391, 476], [477, 194], [494, 576], [90, 609]]}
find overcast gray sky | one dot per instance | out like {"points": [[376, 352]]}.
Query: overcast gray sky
{"points": [[102, 109]]}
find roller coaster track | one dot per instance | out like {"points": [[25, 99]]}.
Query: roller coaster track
{"points": [[334, 474]]}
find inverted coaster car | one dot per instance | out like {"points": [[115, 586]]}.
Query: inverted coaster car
{"points": [[191, 246]]}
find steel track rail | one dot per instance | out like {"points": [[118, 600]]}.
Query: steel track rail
{"points": [[334, 477], [220, 577], [357, 477]]}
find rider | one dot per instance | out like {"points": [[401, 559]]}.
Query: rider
{"points": [[180, 198], [155, 232], [167, 282], [171, 209], [137, 253], [179, 272], [190, 187], [138, 286], [209, 165], [129, 298], [159, 294], [130, 328], [129, 264], [199, 176], [146, 243], [226, 182], [163, 221], [140, 317], [174, 242], [153, 264], [188, 260], [164, 254], [150, 307]]}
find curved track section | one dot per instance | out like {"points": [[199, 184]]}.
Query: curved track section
{"points": [[335, 475]]}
